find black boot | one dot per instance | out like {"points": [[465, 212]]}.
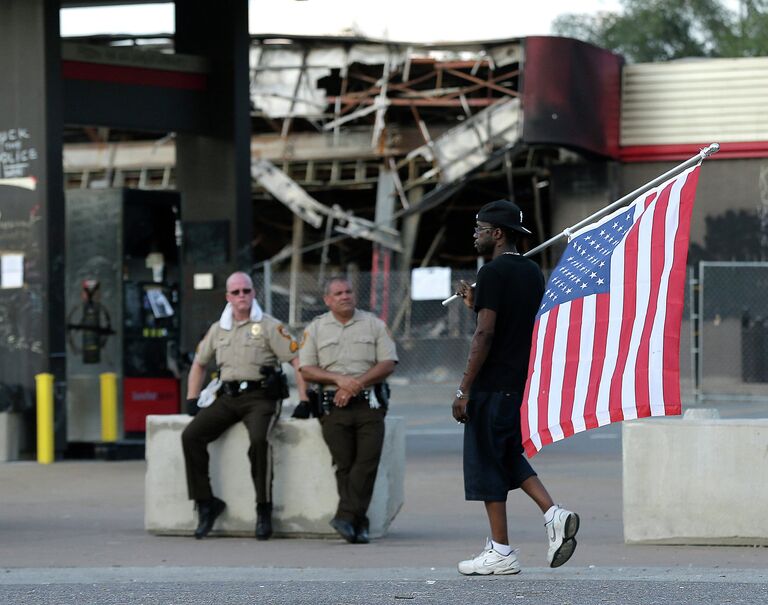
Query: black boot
{"points": [[361, 533], [207, 511], [263, 521], [345, 529]]}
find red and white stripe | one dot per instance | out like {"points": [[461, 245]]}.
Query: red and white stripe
{"points": [[616, 356]]}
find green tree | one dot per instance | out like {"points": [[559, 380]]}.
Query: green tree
{"points": [[661, 30]]}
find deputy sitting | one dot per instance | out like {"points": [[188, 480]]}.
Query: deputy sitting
{"points": [[248, 346]]}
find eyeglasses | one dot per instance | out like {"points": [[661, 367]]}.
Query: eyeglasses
{"points": [[481, 229], [243, 290]]}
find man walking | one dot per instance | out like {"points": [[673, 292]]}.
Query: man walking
{"points": [[508, 292], [247, 346], [348, 352]]}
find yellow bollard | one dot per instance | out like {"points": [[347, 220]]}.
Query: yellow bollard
{"points": [[108, 382], [45, 444]]}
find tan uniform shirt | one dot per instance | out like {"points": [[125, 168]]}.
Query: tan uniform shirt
{"points": [[352, 348], [241, 351]]}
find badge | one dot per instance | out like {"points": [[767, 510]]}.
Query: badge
{"points": [[255, 329]]}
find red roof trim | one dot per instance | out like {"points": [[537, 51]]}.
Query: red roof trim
{"points": [[140, 76], [659, 153]]}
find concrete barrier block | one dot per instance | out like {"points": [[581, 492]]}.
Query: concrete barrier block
{"points": [[304, 486], [695, 481], [10, 430]]}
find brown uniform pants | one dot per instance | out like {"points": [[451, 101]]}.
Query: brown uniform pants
{"points": [[257, 413], [355, 436]]}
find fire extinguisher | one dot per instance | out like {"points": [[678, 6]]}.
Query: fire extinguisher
{"points": [[94, 330]]}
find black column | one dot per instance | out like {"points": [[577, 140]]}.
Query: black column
{"points": [[213, 168], [31, 198]]}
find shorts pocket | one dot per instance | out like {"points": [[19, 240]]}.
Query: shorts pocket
{"points": [[506, 409]]}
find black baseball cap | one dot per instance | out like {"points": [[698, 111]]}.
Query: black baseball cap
{"points": [[503, 213]]}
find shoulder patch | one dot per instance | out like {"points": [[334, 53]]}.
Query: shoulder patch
{"points": [[294, 346]]}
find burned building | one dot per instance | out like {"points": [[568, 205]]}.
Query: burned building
{"points": [[392, 146]]}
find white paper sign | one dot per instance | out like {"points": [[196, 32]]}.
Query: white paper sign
{"points": [[202, 281], [431, 283], [159, 303], [12, 270]]}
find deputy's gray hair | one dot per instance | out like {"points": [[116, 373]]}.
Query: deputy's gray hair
{"points": [[333, 278]]}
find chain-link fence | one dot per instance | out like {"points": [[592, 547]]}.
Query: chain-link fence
{"points": [[733, 330], [432, 340], [723, 337]]}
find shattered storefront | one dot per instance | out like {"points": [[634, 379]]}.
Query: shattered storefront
{"points": [[399, 144], [365, 149]]}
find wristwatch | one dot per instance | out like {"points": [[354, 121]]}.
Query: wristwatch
{"points": [[461, 394]]}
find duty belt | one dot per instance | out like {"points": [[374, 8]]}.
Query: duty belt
{"points": [[233, 388], [326, 398]]}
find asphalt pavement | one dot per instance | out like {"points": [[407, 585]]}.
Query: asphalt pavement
{"points": [[72, 532]]}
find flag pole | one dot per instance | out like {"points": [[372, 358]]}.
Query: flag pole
{"points": [[692, 161]]}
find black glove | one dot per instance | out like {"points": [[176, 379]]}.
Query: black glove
{"points": [[302, 410], [192, 408]]}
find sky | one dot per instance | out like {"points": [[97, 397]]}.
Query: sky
{"points": [[399, 20]]}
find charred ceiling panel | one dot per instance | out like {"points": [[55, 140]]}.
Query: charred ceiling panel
{"points": [[571, 95], [303, 205], [468, 145], [288, 192], [283, 83], [286, 79]]}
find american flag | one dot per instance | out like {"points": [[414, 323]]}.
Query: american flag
{"points": [[606, 342]]}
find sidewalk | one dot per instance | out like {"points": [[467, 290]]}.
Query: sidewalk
{"points": [[81, 523], [90, 514]]}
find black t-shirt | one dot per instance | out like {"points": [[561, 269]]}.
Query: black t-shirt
{"points": [[513, 286]]}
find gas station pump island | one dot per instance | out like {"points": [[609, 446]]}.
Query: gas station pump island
{"points": [[122, 285], [93, 280]]}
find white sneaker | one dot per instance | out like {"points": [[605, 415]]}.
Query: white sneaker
{"points": [[490, 562], [561, 532]]}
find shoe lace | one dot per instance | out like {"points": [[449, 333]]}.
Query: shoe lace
{"points": [[488, 547]]}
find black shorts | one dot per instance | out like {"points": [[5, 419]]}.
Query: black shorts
{"points": [[493, 450]]}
